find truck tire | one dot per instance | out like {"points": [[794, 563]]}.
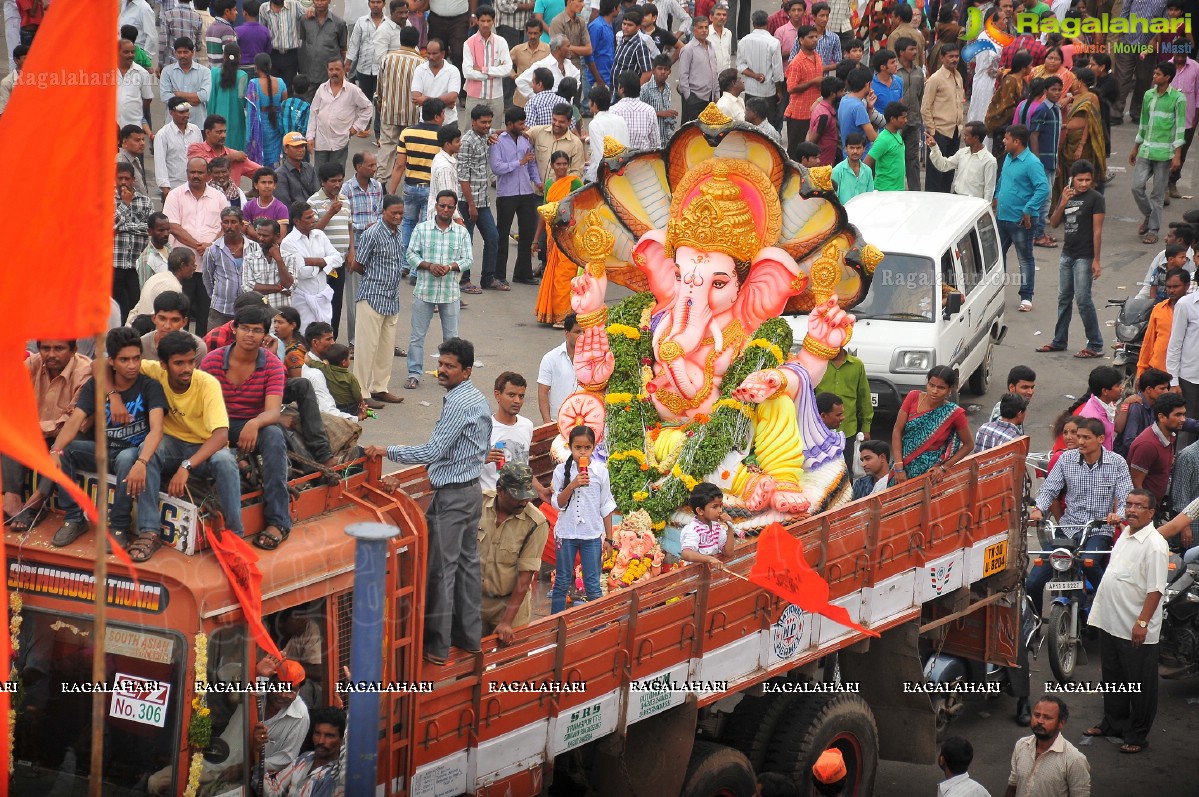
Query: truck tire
{"points": [[753, 723], [817, 722], [718, 771]]}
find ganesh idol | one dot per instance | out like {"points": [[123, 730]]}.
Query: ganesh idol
{"points": [[693, 378]]}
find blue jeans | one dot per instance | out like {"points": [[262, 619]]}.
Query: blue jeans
{"points": [[416, 201], [1074, 282], [490, 233], [272, 445], [422, 314], [1011, 233], [81, 455], [221, 467], [591, 555], [1043, 573], [1041, 222]]}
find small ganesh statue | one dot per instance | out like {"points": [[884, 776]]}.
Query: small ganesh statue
{"points": [[693, 377]]}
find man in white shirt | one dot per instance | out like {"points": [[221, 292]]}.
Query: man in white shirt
{"points": [[1182, 358], [639, 117], [443, 173], [1128, 613], [604, 124], [181, 264], [955, 758], [387, 35], [135, 90], [721, 37], [509, 428], [170, 146], [282, 733], [437, 78], [760, 61], [556, 378], [557, 62], [973, 165], [731, 103], [362, 57], [139, 14], [486, 61], [311, 294]]}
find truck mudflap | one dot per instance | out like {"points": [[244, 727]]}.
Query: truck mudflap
{"points": [[906, 721]]}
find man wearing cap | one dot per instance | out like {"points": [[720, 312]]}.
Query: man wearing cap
{"points": [[512, 534], [278, 739], [171, 143], [297, 177], [828, 773]]}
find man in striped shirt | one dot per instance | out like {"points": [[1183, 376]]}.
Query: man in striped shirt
{"points": [[366, 203], [1158, 147], [441, 252], [334, 216], [379, 260], [182, 21], [396, 108], [283, 17], [454, 459], [252, 381], [223, 264], [414, 164]]}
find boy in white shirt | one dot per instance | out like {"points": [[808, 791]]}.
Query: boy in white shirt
{"points": [[512, 430]]}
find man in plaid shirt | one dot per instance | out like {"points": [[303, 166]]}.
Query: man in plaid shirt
{"points": [[641, 119], [441, 251], [365, 194], [182, 21], [632, 52], [656, 94], [1006, 428], [1096, 484], [131, 228]]}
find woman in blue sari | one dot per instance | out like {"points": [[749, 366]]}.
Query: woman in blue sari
{"points": [[931, 431], [272, 91]]}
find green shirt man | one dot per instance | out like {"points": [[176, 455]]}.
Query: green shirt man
{"points": [[846, 378], [888, 156]]}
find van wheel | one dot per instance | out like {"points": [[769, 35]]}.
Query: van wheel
{"points": [[718, 771], [981, 378], [817, 722], [753, 722]]}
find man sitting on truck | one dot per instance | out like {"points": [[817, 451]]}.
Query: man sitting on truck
{"points": [[131, 444], [196, 435], [876, 461], [1022, 381], [1010, 425], [171, 311]]}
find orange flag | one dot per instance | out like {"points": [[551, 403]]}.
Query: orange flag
{"points": [[57, 138], [240, 563], [780, 568]]}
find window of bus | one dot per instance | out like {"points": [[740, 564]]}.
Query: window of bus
{"points": [[52, 743], [300, 633], [225, 759]]}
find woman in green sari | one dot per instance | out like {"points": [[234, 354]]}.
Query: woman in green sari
{"points": [[930, 431], [1082, 134], [228, 96]]}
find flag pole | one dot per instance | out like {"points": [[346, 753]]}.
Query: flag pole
{"points": [[99, 669]]}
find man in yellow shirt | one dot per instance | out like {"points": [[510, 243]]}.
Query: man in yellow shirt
{"points": [[196, 434], [1161, 320]]}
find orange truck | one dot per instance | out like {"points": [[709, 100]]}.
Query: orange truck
{"points": [[683, 684]]}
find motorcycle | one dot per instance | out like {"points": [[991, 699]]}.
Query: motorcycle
{"points": [[1131, 324], [1179, 643], [1070, 603]]}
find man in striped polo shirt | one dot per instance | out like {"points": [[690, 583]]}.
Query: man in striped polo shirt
{"points": [[414, 166], [396, 108], [333, 217], [252, 381]]}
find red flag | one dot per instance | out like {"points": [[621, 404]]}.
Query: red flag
{"points": [[64, 107], [780, 567], [240, 563]]}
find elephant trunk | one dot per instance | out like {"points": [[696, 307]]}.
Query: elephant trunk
{"points": [[691, 320]]}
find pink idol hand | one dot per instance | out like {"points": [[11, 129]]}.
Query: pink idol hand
{"points": [[593, 358], [830, 325], [587, 293], [759, 386]]}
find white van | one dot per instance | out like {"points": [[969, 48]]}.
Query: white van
{"points": [[936, 299]]}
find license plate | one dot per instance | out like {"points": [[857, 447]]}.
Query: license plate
{"points": [[994, 558], [1064, 586], [874, 399]]}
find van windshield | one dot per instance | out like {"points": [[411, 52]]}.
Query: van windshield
{"points": [[903, 289]]}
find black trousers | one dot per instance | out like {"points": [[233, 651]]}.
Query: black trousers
{"points": [[285, 64], [1128, 714], [125, 289], [197, 294], [911, 144], [797, 131], [935, 179], [1190, 392], [316, 440], [1186, 146], [693, 106], [524, 209], [338, 285], [453, 31]]}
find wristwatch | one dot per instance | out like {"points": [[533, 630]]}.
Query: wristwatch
{"points": [[186, 464], [1142, 624]]}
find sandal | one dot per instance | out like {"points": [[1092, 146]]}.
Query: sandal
{"points": [[412, 383], [470, 288], [28, 518], [1045, 242], [145, 546], [269, 542], [1151, 238], [1049, 347], [400, 352], [498, 285], [1094, 731], [1144, 228], [1087, 354], [1133, 749]]}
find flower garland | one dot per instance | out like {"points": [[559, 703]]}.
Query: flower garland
{"points": [[15, 604], [199, 728], [633, 423]]}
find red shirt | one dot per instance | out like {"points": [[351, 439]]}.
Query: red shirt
{"points": [[247, 400], [238, 170], [777, 20], [1149, 456], [803, 68]]}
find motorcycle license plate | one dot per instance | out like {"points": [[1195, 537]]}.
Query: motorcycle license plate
{"points": [[1064, 586], [994, 558], [874, 399]]}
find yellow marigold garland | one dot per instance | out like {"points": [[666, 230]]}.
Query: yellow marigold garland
{"points": [[770, 347], [624, 330], [199, 729], [15, 604], [733, 404], [618, 398]]}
